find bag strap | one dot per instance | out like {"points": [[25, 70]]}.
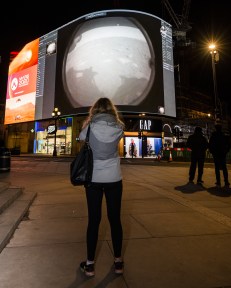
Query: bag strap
{"points": [[88, 133]]}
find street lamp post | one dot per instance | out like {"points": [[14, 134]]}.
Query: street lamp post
{"points": [[55, 114], [214, 57]]}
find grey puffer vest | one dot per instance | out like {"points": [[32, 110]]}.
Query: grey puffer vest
{"points": [[105, 135]]}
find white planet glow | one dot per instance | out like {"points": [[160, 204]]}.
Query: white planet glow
{"points": [[109, 57]]}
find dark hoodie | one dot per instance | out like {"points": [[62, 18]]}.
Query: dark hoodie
{"points": [[197, 143], [219, 144]]}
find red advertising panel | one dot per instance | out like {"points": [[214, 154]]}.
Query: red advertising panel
{"points": [[21, 89]]}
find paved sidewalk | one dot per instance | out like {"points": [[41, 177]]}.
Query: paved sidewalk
{"points": [[176, 235]]}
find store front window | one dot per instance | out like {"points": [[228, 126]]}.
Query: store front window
{"points": [[44, 141], [144, 147]]}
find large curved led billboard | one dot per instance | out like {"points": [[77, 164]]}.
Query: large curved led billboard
{"points": [[124, 55]]}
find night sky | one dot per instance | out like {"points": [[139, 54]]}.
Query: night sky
{"points": [[24, 22]]}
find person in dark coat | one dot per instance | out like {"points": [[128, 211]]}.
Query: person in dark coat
{"points": [[198, 144], [219, 146]]}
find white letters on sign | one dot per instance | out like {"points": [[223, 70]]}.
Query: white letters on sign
{"points": [[145, 124]]}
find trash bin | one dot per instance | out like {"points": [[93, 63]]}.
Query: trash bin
{"points": [[5, 159]]}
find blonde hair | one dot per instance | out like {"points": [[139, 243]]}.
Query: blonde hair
{"points": [[103, 105]]}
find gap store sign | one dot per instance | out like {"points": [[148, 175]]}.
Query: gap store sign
{"points": [[145, 125]]}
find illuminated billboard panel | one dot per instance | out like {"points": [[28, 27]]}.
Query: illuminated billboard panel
{"points": [[120, 54], [21, 88]]}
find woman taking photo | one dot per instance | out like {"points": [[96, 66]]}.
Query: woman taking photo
{"points": [[106, 130]]}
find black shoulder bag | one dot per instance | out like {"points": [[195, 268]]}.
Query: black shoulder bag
{"points": [[82, 166]]}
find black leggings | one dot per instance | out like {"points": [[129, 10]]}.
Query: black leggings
{"points": [[113, 195]]}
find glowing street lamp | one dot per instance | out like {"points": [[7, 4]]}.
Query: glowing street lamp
{"points": [[55, 114], [215, 58]]}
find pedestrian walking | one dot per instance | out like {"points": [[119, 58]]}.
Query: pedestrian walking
{"points": [[219, 146], [198, 144], [105, 134]]}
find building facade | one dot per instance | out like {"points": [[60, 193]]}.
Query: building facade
{"points": [[146, 132]]}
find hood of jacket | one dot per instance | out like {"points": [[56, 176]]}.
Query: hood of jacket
{"points": [[105, 128], [105, 135]]}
